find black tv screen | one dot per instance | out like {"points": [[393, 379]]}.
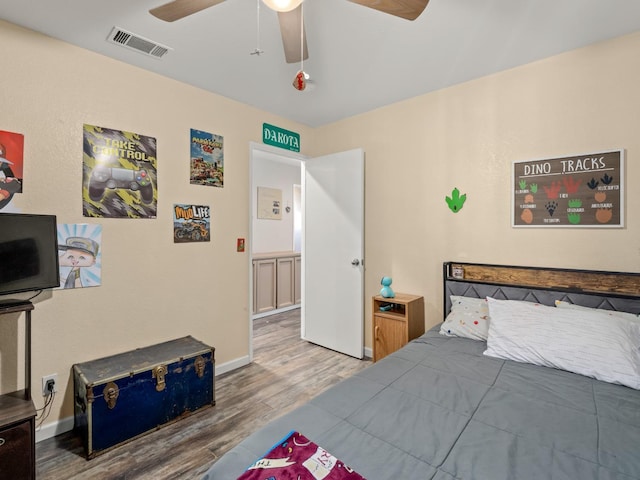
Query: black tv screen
{"points": [[28, 253]]}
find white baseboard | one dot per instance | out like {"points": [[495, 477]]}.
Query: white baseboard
{"points": [[232, 365], [50, 430], [274, 312], [368, 352]]}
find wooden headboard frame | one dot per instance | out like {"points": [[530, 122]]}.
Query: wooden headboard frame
{"points": [[590, 288]]}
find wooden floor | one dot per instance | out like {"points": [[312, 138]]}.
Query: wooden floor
{"points": [[285, 373]]}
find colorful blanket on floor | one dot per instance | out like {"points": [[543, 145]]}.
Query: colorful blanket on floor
{"points": [[295, 457]]}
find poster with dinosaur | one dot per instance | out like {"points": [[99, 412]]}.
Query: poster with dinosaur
{"points": [[577, 191]]}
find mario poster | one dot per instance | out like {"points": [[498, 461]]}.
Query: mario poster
{"points": [[207, 159], [11, 164], [119, 174]]}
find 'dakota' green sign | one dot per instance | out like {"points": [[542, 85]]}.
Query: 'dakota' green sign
{"points": [[279, 137]]}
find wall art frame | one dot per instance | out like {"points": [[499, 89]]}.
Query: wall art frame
{"points": [[578, 191]]}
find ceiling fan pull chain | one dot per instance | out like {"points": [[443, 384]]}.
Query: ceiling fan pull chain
{"points": [[300, 80], [257, 50], [302, 36]]}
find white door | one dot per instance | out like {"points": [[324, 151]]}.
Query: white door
{"points": [[333, 251]]}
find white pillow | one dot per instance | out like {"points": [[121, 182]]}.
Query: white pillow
{"points": [[615, 313], [468, 318], [589, 343]]}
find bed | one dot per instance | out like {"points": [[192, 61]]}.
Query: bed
{"points": [[440, 408]]}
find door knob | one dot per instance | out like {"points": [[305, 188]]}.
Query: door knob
{"points": [[355, 262]]}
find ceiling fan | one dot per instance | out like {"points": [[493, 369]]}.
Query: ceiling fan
{"points": [[290, 17]]}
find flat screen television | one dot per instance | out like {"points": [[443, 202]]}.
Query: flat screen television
{"points": [[28, 253]]}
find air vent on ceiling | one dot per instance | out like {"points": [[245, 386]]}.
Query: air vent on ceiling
{"points": [[136, 42]]}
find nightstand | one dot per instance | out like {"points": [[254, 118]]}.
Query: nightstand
{"points": [[396, 321]]}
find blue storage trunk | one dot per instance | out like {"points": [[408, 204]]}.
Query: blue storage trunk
{"points": [[121, 397]]}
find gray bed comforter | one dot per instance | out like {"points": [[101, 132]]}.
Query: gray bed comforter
{"points": [[438, 409]]}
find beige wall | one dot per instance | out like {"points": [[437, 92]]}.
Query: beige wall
{"points": [[416, 152], [273, 235], [152, 289]]}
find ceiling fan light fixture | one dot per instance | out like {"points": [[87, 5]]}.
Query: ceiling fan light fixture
{"points": [[282, 5]]}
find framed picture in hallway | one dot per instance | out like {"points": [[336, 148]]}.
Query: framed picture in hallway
{"points": [[269, 203]]}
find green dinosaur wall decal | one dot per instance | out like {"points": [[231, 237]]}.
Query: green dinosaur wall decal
{"points": [[456, 201]]}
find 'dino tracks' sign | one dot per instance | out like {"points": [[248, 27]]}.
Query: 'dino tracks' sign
{"points": [[578, 191]]}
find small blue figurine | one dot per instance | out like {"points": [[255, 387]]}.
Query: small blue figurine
{"points": [[386, 291]]}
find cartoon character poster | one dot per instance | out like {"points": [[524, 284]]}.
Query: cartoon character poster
{"points": [[11, 163], [207, 159], [191, 223], [119, 174], [80, 255]]}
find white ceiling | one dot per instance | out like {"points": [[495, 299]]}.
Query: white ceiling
{"points": [[359, 58]]}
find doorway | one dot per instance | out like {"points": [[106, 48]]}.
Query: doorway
{"points": [[331, 267], [274, 234]]}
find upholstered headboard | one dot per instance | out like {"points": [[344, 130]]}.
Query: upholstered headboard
{"points": [[596, 289]]}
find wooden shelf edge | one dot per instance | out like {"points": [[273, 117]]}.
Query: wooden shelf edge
{"points": [[390, 315], [15, 408]]}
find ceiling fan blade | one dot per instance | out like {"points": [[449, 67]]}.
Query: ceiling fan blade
{"points": [[409, 9], [290, 25], [172, 11]]}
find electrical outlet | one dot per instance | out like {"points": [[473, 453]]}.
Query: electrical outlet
{"points": [[49, 384]]}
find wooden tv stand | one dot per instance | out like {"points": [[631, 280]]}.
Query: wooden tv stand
{"points": [[17, 413]]}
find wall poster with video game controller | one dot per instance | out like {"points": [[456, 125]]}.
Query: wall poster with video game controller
{"points": [[577, 191], [119, 174]]}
